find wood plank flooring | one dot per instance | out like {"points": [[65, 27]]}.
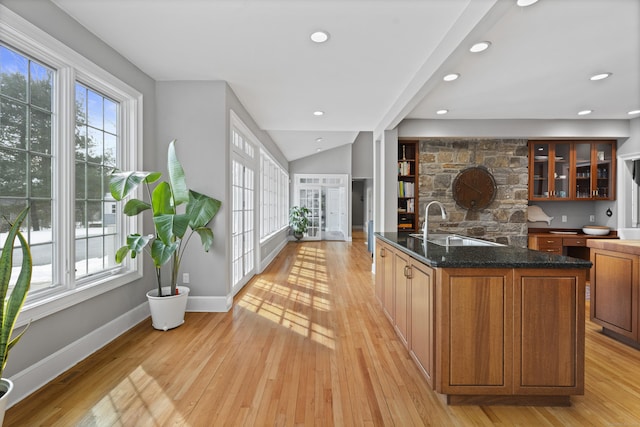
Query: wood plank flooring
{"points": [[305, 344]]}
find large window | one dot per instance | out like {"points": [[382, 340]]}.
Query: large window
{"points": [[64, 124], [274, 196]]}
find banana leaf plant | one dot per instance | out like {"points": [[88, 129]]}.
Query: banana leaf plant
{"points": [[173, 226], [10, 307]]}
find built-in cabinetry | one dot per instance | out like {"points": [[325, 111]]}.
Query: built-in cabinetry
{"points": [[479, 335], [614, 288], [385, 274], [572, 170], [408, 185]]}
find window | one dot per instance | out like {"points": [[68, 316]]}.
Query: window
{"points": [[64, 124], [274, 202]]}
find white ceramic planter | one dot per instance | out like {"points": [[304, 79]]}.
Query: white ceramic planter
{"points": [[6, 386], [168, 312]]}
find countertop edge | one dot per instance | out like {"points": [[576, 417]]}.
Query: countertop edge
{"points": [[541, 259]]}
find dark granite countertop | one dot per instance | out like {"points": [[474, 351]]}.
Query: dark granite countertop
{"points": [[478, 256]]}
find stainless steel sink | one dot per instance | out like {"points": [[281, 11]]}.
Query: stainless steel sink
{"points": [[454, 240]]}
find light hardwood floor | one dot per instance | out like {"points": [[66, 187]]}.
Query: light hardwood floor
{"points": [[305, 344]]}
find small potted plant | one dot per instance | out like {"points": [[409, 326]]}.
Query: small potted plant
{"points": [[11, 305], [174, 226], [298, 221]]}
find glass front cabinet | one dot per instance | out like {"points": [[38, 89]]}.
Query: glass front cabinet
{"points": [[572, 170]]}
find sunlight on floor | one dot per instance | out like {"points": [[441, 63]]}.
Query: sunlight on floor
{"points": [[302, 303], [139, 395]]}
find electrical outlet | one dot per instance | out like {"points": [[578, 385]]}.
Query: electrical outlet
{"points": [[564, 218], [185, 278], [592, 218]]}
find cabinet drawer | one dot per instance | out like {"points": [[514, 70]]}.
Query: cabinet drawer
{"points": [[574, 241]]}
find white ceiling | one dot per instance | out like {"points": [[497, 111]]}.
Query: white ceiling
{"points": [[384, 60]]}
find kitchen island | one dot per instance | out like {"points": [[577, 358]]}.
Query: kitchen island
{"points": [[486, 324]]}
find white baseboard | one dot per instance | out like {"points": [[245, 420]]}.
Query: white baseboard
{"points": [[31, 379], [210, 304], [265, 262]]}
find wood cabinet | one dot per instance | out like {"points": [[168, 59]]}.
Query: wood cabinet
{"points": [[572, 170], [549, 346], [550, 244], [422, 319], [401, 296], [614, 291], [385, 277], [514, 333], [408, 160], [497, 336]]}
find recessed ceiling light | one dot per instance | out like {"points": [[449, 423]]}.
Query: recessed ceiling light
{"points": [[319, 139], [440, 112], [318, 113], [584, 112], [600, 76], [479, 47], [451, 77], [319, 36], [633, 112], [318, 150], [525, 3]]}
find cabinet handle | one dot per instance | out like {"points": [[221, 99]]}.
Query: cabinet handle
{"points": [[407, 272], [382, 255], [549, 241]]}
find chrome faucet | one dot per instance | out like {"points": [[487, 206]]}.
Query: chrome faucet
{"points": [[425, 229]]}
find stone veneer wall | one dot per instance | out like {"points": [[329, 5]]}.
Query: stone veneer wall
{"points": [[505, 220]]}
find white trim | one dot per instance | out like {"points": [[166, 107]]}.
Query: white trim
{"points": [[209, 304], [39, 374], [265, 262]]}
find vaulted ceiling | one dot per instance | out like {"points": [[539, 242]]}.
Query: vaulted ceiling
{"points": [[384, 60]]}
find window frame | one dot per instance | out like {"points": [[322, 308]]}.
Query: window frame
{"points": [[71, 67], [274, 184]]}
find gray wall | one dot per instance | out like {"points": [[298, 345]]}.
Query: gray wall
{"points": [[362, 156], [336, 160], [357, 202], [197, 113], [54, 332]]}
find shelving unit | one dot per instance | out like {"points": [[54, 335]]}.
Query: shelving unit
{"points": [[408, 185]]}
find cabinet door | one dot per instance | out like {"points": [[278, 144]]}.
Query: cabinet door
{"points": [[380, 255], [551, 177], [389, 282], [475, 334], [421, 341], [614, 291], [582, 171], [401, 296], [604, 171], [549, 332]]}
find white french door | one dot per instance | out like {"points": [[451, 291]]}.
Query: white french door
{"points": [[309, 197], [243, 215]]}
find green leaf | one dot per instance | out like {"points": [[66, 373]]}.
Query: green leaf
{"points": [[122, 184], [206, 237], [161, 200], [135, 206], [137, 243], [170, 226], [10, 308], [176, 176], [122, 253], [162, 253], [201, 209]]}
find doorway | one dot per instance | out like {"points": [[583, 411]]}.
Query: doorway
{"points": [[327, 199]]}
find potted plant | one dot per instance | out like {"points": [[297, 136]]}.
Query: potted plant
{"points": [[11, 305], [299, 221], [173, 228]]}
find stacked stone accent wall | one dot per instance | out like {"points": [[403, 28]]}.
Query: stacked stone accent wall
{"points": [[505, 220]]}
